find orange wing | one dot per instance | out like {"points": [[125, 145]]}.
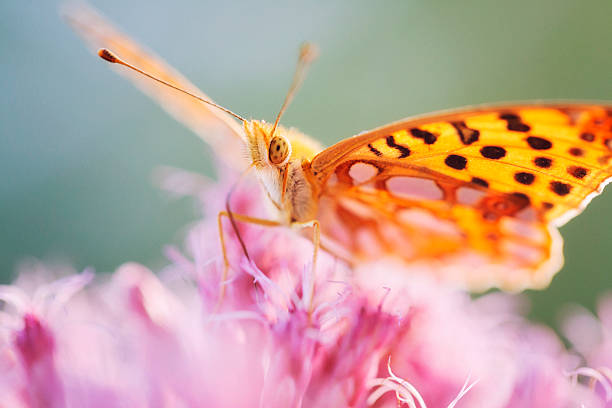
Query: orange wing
{"points": [[217, 128], [478, 193]]}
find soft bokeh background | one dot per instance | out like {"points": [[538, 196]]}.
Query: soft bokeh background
{"points": [[78, 144]]}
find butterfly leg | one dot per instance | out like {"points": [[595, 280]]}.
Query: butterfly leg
{"points": [[226, 265]]}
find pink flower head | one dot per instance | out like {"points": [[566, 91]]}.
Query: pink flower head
{"points": [[281, 335], [35, 345], [591, 337]]}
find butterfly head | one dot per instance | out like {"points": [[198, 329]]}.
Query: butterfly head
{"points": [[267, 150], [276, 150], [277, 157]]}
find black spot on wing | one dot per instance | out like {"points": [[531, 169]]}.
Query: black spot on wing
{"points": [[428, 137], [518, 127], [404, 151], [587, 137], [480, 182], [543, 162], [374, 150], [455, 161], [524, 178], [514, 122], [493, 152], [576, 151], [538, 143], [577, 171], [467, 135], [560, 188], [521, 198]]}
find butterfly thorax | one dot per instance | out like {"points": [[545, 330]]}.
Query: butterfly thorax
{"points": [[281, 162]]}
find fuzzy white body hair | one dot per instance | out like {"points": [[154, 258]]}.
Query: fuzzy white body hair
{"points": [[272, 185], [299, 194], [298, 204]]}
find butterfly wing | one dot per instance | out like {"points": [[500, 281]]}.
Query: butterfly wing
{"points": [[478, 192], [217, 128]]}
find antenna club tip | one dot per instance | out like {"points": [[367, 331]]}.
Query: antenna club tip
{"points": [[107, 55]]}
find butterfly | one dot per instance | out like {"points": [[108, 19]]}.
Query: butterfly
{"points": [[477, 192]]}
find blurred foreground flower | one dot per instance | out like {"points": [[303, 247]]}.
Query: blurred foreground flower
{"points": [[592, 337], [140, 340]]}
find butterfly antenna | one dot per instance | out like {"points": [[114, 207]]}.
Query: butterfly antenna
{"points": [[111, 57], [308, 53]]}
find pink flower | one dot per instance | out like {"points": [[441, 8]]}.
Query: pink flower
{"points": [[592, 338], [373, 335]]}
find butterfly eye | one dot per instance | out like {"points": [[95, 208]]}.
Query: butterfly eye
{"points": [[279, 151]]}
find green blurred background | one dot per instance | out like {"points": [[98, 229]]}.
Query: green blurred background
{"points": [[78, 144]]}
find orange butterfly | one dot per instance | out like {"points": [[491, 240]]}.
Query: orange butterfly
{"points": [[479, 192]]}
